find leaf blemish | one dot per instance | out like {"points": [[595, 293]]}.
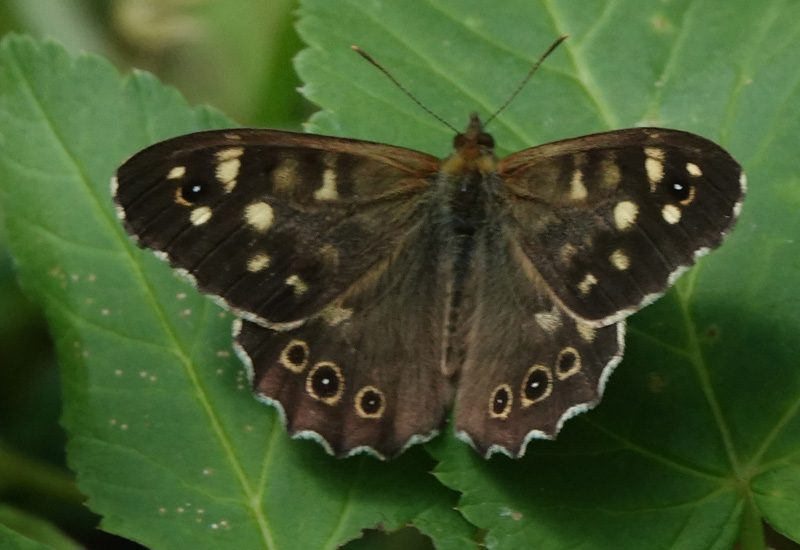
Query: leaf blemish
{"points": [[509, 513]]}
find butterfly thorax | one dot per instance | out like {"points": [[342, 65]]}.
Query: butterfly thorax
{"points": [[463, 181]]}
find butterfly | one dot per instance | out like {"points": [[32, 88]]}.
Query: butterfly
{"points": [[375, 286]]}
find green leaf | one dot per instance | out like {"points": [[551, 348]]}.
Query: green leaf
{"points": [[699, 431], [700, 423], [21, 531], [166, 440]]}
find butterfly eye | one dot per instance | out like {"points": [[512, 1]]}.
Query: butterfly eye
{"points": [[486, 140]]}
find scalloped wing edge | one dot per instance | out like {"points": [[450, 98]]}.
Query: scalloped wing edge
{"points": [[184, 274], [573, 411], [680, 270], [310, 434]]}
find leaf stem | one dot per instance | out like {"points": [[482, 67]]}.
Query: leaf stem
{"points": [[752, 534]]}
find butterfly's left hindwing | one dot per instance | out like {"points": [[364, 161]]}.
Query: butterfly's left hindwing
{"points": [[276, 225]]}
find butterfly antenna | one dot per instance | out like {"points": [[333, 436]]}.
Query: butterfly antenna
{"points": [[527, 78], [369, 58]]}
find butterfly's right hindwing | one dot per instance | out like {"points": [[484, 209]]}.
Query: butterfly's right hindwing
{"points": [[364, 375]]}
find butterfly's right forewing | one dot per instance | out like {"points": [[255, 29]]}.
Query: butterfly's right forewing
{"points": [[276, 225]]}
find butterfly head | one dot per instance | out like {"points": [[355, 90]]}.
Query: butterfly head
{"points": [[474, 150], [474, 136]]}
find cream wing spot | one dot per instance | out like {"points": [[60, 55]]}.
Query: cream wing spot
{"points": [[587, 332], [259, 262], [654, 166], [335, 315], [625, 214], [577, 190], [585, 286], [610, 172], [671, 214], [176, 173], [259, 216], [693, 170], [230, 153], [200, 215], [228, 166], [299, 286], [550, 321], [655, 172], [567, 252], [328, 190], [654, 153], [620, 260], [227, 172], [285, 175]]}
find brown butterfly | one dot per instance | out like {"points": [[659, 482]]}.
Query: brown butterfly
{"points": [[375, 285]]}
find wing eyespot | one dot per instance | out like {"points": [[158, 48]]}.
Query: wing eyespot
{"points": [[370, 402], [192, 192], [500, 402], [325, 382]]}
